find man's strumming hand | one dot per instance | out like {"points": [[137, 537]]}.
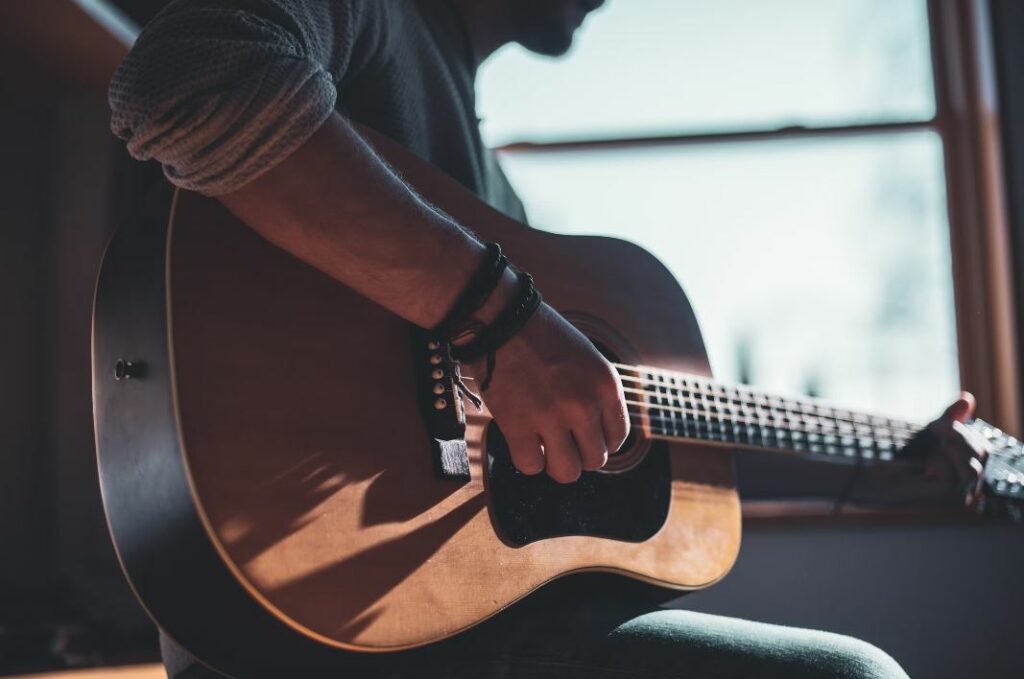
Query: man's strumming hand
{"points": [[559, 403]]}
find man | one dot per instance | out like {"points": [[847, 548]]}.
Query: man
{"points": [[253, 101]]}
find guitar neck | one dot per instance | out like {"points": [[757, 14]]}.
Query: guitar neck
{"points": [[682, 407]]}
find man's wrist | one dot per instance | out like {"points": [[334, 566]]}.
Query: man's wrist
{"points": [[502, 296]]}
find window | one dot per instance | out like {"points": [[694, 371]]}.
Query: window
{"points": [[785, 160], [670, 66]]}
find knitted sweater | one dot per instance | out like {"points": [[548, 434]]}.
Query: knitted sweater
{"points": [[219, 91]]}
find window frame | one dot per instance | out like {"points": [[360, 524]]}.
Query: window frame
{"points": [[969, 125]]}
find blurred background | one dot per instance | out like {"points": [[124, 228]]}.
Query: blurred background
{"points": [[837, 184]]}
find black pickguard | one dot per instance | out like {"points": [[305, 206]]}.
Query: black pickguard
{"points": [[630, 505]]}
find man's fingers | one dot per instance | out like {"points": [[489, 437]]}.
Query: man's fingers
{"points": [[615, 424], [977, 443], [974, 497], [526, 453], [962, 409], [590, 441], [561, 456], [965, 472], [967, 467], [935, 467], [956, 445]]}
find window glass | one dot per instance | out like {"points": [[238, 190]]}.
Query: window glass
{"points": [[814, 266], [649, 67]]}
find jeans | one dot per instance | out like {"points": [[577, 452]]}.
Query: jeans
{"points": [[597, 632]]}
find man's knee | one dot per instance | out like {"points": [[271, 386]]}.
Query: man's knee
{"points": [[848, 658]]}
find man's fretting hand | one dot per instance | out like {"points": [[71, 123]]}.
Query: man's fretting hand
{"points": [[559, 403], [957, 453], [953, 456]]}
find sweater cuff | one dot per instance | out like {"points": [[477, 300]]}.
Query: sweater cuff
{"points": [[252, 142]]}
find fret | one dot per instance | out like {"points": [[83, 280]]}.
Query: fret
{"points": [[652, 412], [662, 400], [668, 386], [655, 400], [676, 392], [691, 407]]}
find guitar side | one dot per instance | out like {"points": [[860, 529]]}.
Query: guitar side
{"points": [[266, 470]]}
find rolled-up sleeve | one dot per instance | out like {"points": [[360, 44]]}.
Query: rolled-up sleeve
{"points": [[221, 92]]}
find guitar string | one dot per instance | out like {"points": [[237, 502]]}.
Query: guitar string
{"points": [[779, 444], [676, 423], [788, 415], [748, 394], [748, 398], [782, 419], [754, 406], [803, 408], [717, 419], [714, 384], [825, 426], [671, 426], [997, 457], [664, 390], [1010, 459]]}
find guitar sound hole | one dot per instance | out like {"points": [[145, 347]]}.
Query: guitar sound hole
{"points": [[629, 505]]}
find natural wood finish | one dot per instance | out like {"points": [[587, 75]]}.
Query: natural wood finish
{"points": [[306, 451]]}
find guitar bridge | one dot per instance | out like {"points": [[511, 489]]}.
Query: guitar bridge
{"points": [[441, 404]]}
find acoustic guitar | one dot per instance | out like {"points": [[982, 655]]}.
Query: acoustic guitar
{"points": [[266, 442]]}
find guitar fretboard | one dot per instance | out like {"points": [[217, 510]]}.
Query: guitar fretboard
{"points": [[679, 406]]}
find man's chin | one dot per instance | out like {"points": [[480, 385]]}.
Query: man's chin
{"points": [[550, 45]]}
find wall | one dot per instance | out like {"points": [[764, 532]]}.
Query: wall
{"points": [[939, 596], [24, 348], [57, 209]]}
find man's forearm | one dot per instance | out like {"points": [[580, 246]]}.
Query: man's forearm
{"points": [[336, 205]]}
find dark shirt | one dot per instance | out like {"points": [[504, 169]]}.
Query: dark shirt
{"points": [[220, 94]]}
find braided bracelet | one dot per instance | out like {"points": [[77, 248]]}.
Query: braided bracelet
{"points": [[477, 290], [491, 337]]}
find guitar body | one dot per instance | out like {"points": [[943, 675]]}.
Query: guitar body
{"points": [[268, 476]]}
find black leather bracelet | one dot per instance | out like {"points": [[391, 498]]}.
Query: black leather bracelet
{"points": [[480, 286], [492, 337]]}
